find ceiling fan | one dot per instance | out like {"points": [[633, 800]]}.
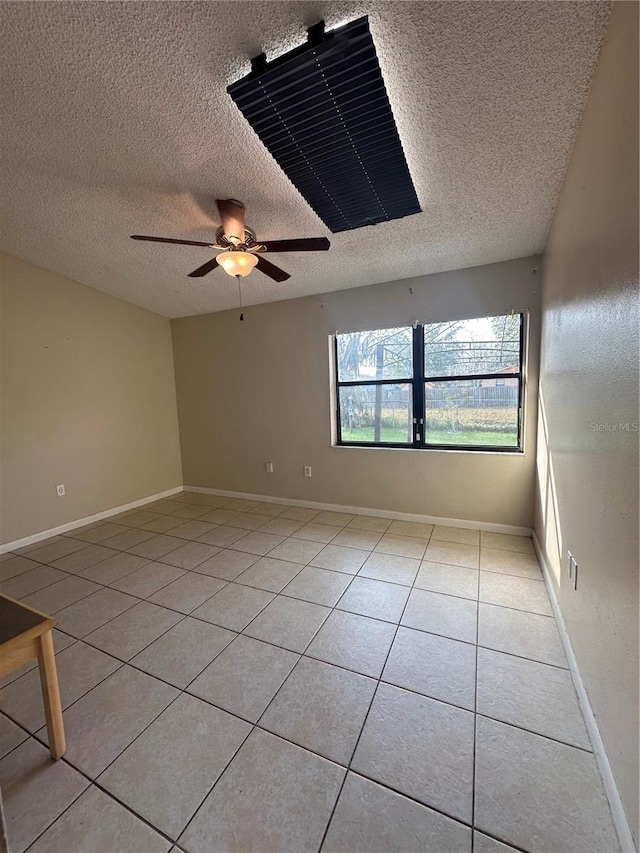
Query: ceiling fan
{"points": [[240, 252]]}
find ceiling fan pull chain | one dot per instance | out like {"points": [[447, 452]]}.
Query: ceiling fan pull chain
{"points": [[240, 298]]}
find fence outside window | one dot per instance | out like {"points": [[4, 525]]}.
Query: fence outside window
{"points": [[386, 397]]}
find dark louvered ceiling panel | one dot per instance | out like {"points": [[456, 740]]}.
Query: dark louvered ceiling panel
{"points": [[323, 113]]}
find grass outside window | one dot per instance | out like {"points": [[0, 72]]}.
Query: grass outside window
{"points": [[456, 384]]}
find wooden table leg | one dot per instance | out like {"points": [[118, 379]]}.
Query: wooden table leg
{"points": [[51, 696]]}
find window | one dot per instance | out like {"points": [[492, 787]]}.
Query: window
{"points": [[434, 385]]}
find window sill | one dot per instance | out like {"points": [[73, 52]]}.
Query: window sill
{"points": [[489, 451]]}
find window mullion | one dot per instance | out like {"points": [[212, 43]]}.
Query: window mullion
{"points": [[338, 418], [521, 382], [418, 386], [457, 392]]}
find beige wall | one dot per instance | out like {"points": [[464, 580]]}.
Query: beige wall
{"points": [[87, 399], [588, 479], [259, 390]]}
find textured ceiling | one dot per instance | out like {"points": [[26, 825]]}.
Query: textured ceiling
{"points": [[115, 120]]}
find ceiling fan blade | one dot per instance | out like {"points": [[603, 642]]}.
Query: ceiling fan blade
{"points": [[306, 244], [169, 240], [232, 218], [204, 269], [271, 270]]}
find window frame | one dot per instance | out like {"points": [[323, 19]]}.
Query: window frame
{"points": [[417, 382]]}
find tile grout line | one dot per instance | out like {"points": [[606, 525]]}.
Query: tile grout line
{"points": [[306, 565], [335, 607], [281, 592], [122, 663], [94, 783], [185, 571], [236, 580], [77, 769], [254, 725], [347, 768], [49, 825], [365, 577], [375, 693], [184, 690], [180, 693], [186, 541], [380, 679], [230, 547], [247, 510], [262, 556], [475, 708]]}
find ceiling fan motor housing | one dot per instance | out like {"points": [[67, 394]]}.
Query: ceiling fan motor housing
{"points": [[223, 240]]}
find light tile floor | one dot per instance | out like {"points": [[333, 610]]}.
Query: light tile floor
{"points": [[248, 676]]}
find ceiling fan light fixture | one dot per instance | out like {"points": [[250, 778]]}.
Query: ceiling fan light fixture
{"points": [[237, 256], [237, 263]]}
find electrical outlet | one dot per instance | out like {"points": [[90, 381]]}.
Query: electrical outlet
{"points": [[307, 470], [268, 467], [60, 491]]}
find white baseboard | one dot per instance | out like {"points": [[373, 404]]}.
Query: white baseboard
{"points": [[355, 510], [81, 522], [379, 513], [620, 821]]}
